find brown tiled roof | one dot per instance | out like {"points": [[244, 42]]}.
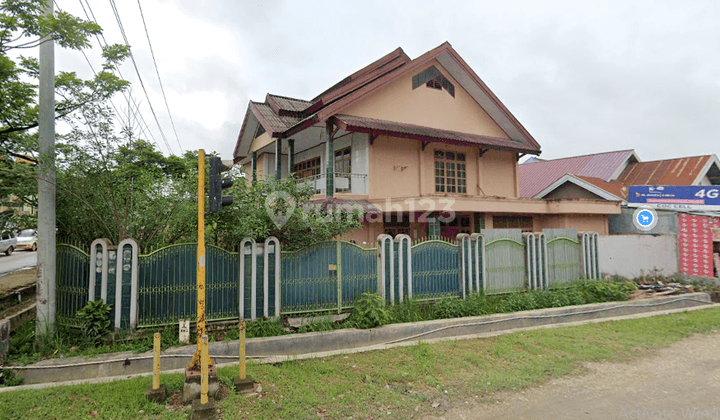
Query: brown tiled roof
{"points": [[386, 63], [273, 123], [417, 132], [615, 188], [283, 105], [681, 171]]}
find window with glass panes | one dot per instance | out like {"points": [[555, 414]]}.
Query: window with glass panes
{"points": [[450, 173], [343, 161], [307, 168]]}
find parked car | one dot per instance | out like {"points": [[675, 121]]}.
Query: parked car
{"points": [[27, 239], [8, 242]]}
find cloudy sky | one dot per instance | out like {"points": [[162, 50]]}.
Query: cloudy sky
{"points": [[582, 77]]}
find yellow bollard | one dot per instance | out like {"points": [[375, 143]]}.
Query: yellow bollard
{"points": [[204, 358], [156, 361], [242, 349]]}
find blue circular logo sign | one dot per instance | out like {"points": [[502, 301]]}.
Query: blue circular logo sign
{"points": [[645, 219]]}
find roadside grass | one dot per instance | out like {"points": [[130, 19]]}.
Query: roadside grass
{"points": [[382, 384]]}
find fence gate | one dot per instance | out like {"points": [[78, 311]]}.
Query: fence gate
{"points": [[505, 259], [326, 276], [564, 255], [435, 270]]}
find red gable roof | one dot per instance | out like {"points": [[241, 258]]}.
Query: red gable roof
{"points": [[536, 176]]}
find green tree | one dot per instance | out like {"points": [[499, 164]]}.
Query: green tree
{"points": [[282, 209], [117, 186], [23, 26]]}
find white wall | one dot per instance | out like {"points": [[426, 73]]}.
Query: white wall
{"points": [[634, 255]]}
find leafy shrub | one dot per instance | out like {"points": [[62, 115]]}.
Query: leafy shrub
{"points": [[264, 328], [369, 312], [411, 310], [8, 378], [95, 320], [450, 308]]}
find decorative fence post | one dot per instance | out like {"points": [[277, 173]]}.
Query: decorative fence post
{"points": [[253, 282], [591, 270], [383, 240], [463, 239], [266, 275], [480, 273], [98, 268], [126, 276], [531, 260], [542, 263], [400, 239]]}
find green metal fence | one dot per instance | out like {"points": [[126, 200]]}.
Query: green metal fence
{"points": [[72, 279], [435, 270], [505, 259], [564, 255], [326, 276], [168, 279]]}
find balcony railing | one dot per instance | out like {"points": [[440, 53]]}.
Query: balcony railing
{"points": [[344, 183]]}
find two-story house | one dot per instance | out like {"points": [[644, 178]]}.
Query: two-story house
{"points": [[423, 141]]}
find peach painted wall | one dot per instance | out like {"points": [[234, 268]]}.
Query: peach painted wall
{"points": [[580, 222], [400, 168], [499, 174], [261, 141], [428, 107]]}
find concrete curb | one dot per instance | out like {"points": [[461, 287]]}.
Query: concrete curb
{"points": [[300, 346]]}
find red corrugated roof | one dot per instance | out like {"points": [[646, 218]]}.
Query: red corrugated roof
{"points": [[536, 176], [681, 171]]}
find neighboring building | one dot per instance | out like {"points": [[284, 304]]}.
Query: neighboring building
{"points": [[421, 137], [608, 176]]}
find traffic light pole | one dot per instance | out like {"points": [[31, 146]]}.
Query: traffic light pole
{"points": [[195, 364]]}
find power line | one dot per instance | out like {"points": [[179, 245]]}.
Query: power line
{"points": [[137, 71], [112, 103], [147, 34], [128, 97]]}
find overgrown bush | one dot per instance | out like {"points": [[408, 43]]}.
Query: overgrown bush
{"points": [[264, 328], [95, 320], [369, 312]]}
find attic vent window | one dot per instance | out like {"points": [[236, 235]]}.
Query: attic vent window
{"points": [[432, 78]]}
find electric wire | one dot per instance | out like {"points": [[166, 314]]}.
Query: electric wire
{"points": [[92, 68], [144, 127], [137, 71], [162, 89]]}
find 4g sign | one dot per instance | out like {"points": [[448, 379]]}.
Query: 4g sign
{"points": [[710, 193], [675, 197]]}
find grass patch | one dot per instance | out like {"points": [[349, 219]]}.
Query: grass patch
{"points": [[382, 384]]}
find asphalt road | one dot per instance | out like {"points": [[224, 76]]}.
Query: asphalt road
{"points": [[16, 261]]}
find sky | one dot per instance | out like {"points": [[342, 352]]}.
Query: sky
{"points": [[582, 77]]}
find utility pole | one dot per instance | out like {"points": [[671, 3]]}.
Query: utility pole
{"points": [[46, 190], [196, 361]]}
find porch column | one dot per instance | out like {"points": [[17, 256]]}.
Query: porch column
{"points": [[291, 156], [278, 159], [329, 160], [253, 166]]}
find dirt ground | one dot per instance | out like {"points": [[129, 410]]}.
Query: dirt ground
{"points": [[17, 280], [678, 382]]}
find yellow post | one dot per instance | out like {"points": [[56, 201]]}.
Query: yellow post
{"points": [[204, 373], [242, 349], [200, 326], [156, 361]]}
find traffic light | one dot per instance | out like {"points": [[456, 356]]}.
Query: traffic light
{"points": [[218, 184]]}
